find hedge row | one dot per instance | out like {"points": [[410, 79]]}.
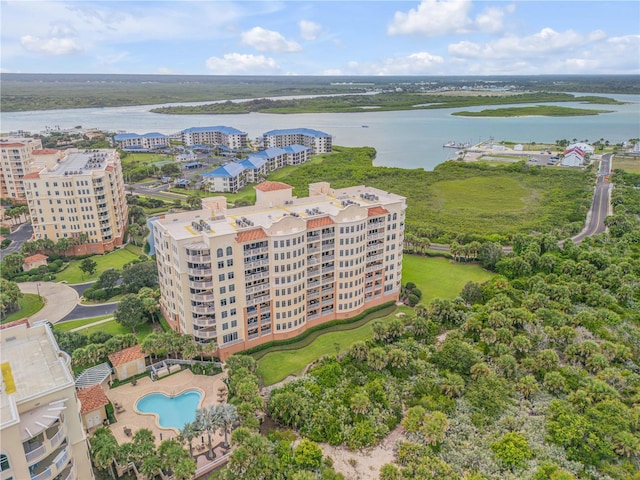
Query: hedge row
{"points": [[312, 330]]}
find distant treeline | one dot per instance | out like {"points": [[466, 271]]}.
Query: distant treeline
{"points": [[23, 92]]}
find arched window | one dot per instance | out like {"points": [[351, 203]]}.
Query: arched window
{"points": [[4, 463], [229, 251], [219, 253]]}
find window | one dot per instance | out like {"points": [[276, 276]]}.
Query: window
{"points": [[4, 463], [219, 253], [229, 251]]}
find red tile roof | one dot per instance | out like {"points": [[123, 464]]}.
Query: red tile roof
{"points": [[31, 175], [45, 151], [319, 222], [38, 257], [92, 398], [22, 321], [12, 145], [109, 168], [375, 211], [127, 355], [272, 186], [250, 235]]}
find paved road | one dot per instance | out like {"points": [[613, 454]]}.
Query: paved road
{"points": [[60, 300], [601, 203], [21, 235], [87, 311]]}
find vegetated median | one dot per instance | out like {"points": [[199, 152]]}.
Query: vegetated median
{"points": [[537, 111]]}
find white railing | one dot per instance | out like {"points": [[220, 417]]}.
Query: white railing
{"points": [[199, 258], [327, 302], [256, 300], [328, 269], [36, 453], [199, 284], [203, 309], [255, 251], [44, 475], [200, 271], [205, 333], [204, 322], [202, 297]]}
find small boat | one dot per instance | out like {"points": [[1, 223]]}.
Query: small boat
{"points": [[365, 126]]}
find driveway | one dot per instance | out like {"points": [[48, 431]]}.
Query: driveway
{"points": [[18, 237], [59, 300], [88, 311]]}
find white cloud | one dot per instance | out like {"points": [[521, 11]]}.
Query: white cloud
{"points": [[419, 63], [445, 17], [264, 40], [309, 30], [545, 42], [242, 64], [51, 46]]}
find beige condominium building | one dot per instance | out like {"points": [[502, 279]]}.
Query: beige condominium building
{"points": [[249, 275], [41, 432], [79, 196], [15, 164]]}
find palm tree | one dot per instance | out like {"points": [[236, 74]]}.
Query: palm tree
{"points": [[452, 385], [226, 417], [187, 434], [104, 449], [206, 422]]}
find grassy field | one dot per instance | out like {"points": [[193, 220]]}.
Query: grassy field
{"points": [[627, 163], [439, 277], [114, 328], [116, 259], [71, 324], [29, 304]]}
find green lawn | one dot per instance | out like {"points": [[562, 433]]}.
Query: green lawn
{"points": [[29, 304], [276, 366], [627, 163], [116, 259], [71, 324], [114, 328], [439, 277]]}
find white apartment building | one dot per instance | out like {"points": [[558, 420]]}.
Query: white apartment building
{"points": [[15, 164], [317, 141], [135, 142], [79, 196], [249, 275], [40, 428], [228, 137]]}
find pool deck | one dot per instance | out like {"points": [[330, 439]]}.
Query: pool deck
{"points": [[127, 395]]}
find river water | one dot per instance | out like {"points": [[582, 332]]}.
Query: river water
{"points": [[407, 139]]}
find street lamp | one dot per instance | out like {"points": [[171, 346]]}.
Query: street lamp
{"points": [[38, 289]]}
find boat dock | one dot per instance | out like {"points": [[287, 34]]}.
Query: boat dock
{"points": [[458, 145]]}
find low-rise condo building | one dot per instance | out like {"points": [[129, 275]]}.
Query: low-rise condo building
{"points": [[41, 431], [147, 141], [249, 275], [317, 141], [80, 196], [17, 157], [228, 137]]}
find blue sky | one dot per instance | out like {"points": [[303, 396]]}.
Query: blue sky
{"points": [[432, 37]]}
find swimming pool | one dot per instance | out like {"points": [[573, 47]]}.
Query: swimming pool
{"points": [[172, 411]]}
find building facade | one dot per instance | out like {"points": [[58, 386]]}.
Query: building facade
{"points": [[15, 164], [81, 197], [41, 431], [228, 137], [317, 141], [135, 142], [250, 275]]}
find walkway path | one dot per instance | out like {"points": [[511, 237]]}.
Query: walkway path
{"points": [[82, 327], [59, 300]]}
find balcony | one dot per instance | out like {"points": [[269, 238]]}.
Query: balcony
{"points": [[202, 297], [328, 301], [328, 269], [313, 238], [373, 268], [204, 322], [206, 334], [200, 272], [313, 250], [256, 263], [256, 276], [260, 299], [200, 284], [327, 258], [44, 443], [198, 258], [313, 316], [313, 283], [311, 296], [374, 258], [54, 465], [327, 311], [312, 272], [203, 309], [256, 251]]}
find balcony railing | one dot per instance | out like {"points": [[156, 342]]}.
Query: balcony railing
{"points": [[256, 276], [203, 309], [205, 333], [196, 258], [256, 300], [202, 297], [201, 272], [256, 251], [200, 284], [256, 263], [43, 475], [204, 322]]}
